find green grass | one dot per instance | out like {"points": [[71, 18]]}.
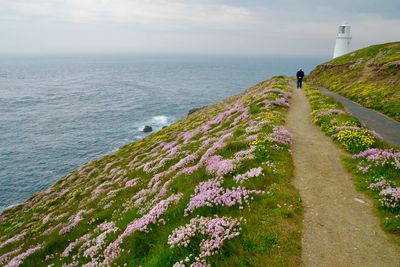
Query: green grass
{"points": [[271, 235], [369, 76]]}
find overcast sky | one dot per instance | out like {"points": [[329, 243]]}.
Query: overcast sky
{"points": [[284, 27]]}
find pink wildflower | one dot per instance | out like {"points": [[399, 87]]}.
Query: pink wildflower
{"points": [[141, 225], [278, 102], [217, 230], [219, 166], [132, 182], [391, 197], [51, 229], [280, 135], [73, 244], [18, 260], [72, 223], [99, 241], [6, 257], [251, 138], [211, 193], [255, 172], [379, 185], [329, 112], [363, 169], [96, 192], [380, 157], [244, 154], [13, 239]]}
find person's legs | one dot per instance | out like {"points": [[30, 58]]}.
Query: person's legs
{"points": [[298, 83]]}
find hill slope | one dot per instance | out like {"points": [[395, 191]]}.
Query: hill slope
{"points": [[369, 76], [213, 188]]}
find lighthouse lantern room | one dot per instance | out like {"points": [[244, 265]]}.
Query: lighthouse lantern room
{"points": [[343, 39]]}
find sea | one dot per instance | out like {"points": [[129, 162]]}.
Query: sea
{"points": [[58, 112]]}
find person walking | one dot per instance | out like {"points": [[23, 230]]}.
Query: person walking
{"points": [[300, 76]]}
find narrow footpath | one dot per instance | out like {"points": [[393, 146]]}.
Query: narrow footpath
{"points": [[388, 128], [339, 226]]}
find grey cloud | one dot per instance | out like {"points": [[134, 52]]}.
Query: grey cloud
{"points": [[178, 26]]}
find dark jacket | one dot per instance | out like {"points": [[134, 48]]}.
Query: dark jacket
{"points": [[300, 74]]}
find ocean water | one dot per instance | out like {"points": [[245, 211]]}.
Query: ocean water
{"points": [[58, 112]]}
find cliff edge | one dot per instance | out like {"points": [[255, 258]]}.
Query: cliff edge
{"points": [[212, 189]]}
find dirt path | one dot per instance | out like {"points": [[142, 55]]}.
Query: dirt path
{"points": [[339, 226]]}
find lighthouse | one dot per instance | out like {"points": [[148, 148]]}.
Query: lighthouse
{"points": [[343, 39]]}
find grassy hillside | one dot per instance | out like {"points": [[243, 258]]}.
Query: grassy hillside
{"points": [[369, 76], [212, 189]]}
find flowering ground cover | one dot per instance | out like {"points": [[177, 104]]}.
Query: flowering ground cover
{"points": [[369, 76], [374, 164], [212, 189]]}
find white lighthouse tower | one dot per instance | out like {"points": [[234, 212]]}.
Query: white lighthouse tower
{"points": [[343, 39]]}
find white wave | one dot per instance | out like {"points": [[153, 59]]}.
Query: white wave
{"points": [[160, 119], [156, 122]]}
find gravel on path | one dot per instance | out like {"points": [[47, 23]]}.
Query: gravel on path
{"points": [[340, 228]]}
